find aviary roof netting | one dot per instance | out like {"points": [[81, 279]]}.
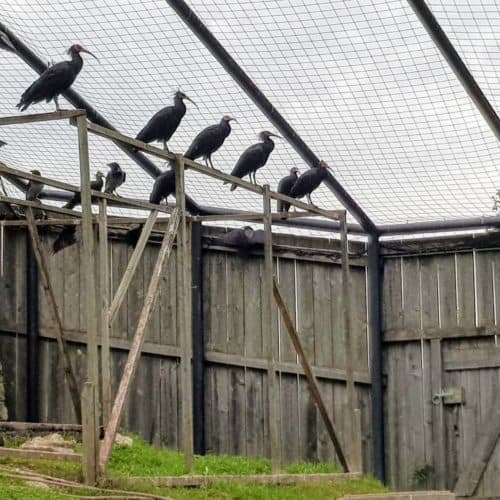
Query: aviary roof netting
{"points": [[360, 81]]}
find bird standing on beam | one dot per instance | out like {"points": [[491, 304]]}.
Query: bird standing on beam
{"points": [[114, 178], [254, 158], [309, 181], [34, 188], [54, 80], [95, 185], [284, 187], [209, 140], [164, 123]]}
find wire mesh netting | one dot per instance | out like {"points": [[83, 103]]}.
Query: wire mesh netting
{"points": [[360, 81]]}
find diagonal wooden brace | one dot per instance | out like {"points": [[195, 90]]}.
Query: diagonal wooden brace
{"points": [[311, 379], [61, 343], [135, 349]]}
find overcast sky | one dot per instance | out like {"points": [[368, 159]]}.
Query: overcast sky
{"points": [[360, 81]]}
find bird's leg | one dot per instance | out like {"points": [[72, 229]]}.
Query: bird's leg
{"points": [[254, 178], [57, 104], [210, 160], [310, 200], [206, 161], [165, 147]]}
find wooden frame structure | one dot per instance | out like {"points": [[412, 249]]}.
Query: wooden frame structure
{"points": [[94, 460]]}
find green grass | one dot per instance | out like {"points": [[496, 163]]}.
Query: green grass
{"points": [[141, 459]]}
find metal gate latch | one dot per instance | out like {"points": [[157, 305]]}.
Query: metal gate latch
{"points": [[450, 396]]}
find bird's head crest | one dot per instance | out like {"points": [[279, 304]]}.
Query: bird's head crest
{"points": [[228, 119], [99, 174], [265, 134], [294, 170]]}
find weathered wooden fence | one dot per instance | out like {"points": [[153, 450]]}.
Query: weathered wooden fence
{"points": [[235, 347], [440, 330]]}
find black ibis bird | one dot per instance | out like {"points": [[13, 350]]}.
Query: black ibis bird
{"points": [[34, 188], [164, 123], [67, 237], [244, 239], [114, 178], [309, 181], [209, 140], [284, 187], [254, 157], [95, 185], [54, 80]]}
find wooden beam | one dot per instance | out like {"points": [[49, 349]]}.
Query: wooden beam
{"points": [[90, 444], [131, 267], [37, 206], [41, 117], [311, 379], [92, 441], [486, 441], [272, 348], [183, 307], [39, 427], [51, 299], [455, 332], [104, 289], [135, 350], [355, 449], [207, 480], [472, 359], [39, 455]]}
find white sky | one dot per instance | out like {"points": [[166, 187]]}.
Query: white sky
{"points": [[360, 81]]}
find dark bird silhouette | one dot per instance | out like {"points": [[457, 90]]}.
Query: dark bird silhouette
{"points": [[309, 181], [209, 140], [5, 42], [114, 178], [163, 187], [95, 185], [164, 123], [284, 187], [3, 143], [67, 237], [244, 239], [34, 188], [254, 158], [54, 80]]}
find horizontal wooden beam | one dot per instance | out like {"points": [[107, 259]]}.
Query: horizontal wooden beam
{"points": [[206, 480], [223, 358], [39, 426], [40, 455], [41, 117], [472, 359], [412, 334], [37, 206]]}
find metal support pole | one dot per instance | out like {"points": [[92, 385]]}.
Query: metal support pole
{"points": [[32, 339], [198, 338], [105, 327], [354, 439], [184, 319], [374, 305], [461, 71], [90, 291], [267, 323]]}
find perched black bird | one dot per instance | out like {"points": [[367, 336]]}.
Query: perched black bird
{"points": [[67, 237], [284, 187], [54, 80], [95, 185], [3, 143], [209, 140], [164, 123], [114, 178], [309, 181], [34, 188], [254, 157], [163, 187], [244, 239]]}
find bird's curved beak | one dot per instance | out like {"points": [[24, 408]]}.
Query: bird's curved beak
{"points": [[231, 119], [88, 52], [275, 135], [191, 100]]}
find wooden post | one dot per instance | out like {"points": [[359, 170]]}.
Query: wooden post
{"points": [[311, 379], [135, 349], [132, 266], [104, 287], [88, 439], [352, 437], [61, 343], [267, 318], [90, 289], [183, 319]]}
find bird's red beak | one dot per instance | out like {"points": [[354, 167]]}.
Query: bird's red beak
{"points": [[88, 52]]}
